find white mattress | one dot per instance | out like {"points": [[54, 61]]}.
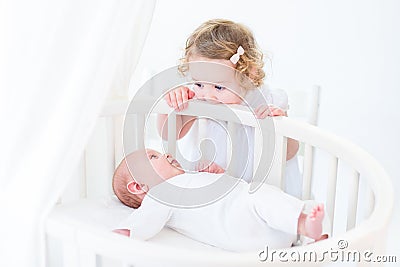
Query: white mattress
{"points": [[105, 215]]}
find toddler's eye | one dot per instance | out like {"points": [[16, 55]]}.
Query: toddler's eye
{"points": [[200, 85], [153, 157], [219, 87]]}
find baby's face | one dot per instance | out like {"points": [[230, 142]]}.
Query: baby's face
{"points": [[219, 77], [151, 168], [164, 164]]}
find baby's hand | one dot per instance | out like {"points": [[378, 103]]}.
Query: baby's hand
{"points": [[211, 167], [268, 110], [178, 98], [122, 231]]}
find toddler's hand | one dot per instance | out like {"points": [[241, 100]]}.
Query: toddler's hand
{"points": [[268, 110], [211, 167], [178, 98]]}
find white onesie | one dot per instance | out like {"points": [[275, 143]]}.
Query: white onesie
{"points": [[216, 132], [237, 222]]}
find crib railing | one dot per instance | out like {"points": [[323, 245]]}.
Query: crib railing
{"points": [[234, 115], [313, 137], [105, 150]]}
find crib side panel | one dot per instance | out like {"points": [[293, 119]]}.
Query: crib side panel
{"points": [[76, 188], [340, 178], [104, 151], [100, 159]]}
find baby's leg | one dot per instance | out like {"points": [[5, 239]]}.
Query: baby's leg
{"points": [[310, 224]]}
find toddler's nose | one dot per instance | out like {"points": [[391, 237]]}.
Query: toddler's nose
{"points": [[209, 96]]}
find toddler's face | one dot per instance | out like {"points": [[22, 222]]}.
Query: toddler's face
{"points": [[215, 82]]}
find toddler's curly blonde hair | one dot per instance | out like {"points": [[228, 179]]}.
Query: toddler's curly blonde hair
{"points": [[220, 39]]}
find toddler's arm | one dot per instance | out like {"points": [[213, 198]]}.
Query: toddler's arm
{"points": [[176, 99], [278, 104], [264, 111], [211, 167]]}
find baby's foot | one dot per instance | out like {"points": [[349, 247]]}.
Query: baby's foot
{"points": [[313, 223]]}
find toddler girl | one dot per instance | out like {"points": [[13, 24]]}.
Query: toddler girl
{"points": [[232, 45]]}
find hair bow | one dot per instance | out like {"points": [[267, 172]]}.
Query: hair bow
{"points": [[235, 57]]}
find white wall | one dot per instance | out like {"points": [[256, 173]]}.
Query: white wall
{"points": [[350, 48]]}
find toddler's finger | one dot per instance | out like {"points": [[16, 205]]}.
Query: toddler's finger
{"points": [[168, 99], [278, 112], [179, 100], [261, 112], [185, 99], [199, 167], [191, 94], [217, 169], [273, 111], [173, 100]]}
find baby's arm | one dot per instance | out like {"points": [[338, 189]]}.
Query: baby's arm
{"points": [[145, 222], [126, 232], [176, 99]]}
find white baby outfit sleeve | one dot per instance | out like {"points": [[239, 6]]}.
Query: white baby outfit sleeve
{"points": [[148, 220]]}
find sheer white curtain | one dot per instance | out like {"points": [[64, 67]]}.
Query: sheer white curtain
{"points": [[59, 61]]}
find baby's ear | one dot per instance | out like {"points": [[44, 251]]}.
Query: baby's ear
{"points": [[135, 189]]}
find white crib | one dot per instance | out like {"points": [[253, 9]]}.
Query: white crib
{"points": [[78, 229]]}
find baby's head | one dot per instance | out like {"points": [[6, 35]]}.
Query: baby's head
{"points": [[217, 40], [140, 171]]}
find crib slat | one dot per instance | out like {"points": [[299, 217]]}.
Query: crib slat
{"points": [[314, 105], [307, 171], [140, 131], [87, 258], [232, 130], [172, 134], [283, 162], [276, 176], [201, 136], [331, 190], [70, 256], [118, 133], [100, 159], [76, 188], [353, 200], [205, 145], [370, 202], [129, 133], [258, 145], [202, 131]]}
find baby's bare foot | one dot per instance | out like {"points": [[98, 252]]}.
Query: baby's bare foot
{"points": [[313, 223]]}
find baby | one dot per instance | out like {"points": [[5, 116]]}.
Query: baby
{"points": [[239, 221]]}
